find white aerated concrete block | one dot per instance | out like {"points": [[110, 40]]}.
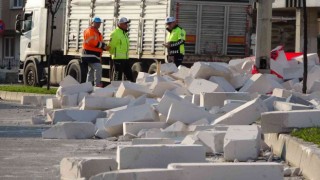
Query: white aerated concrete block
{"points": [[282, 93], [176, 135], [288, 85], [63, 115], [74, 89], [209, 100], [70, 130], [230, 171], [35, 100], [70, 100], [257, 83], [207, 69], [135, 127], [135, 90], [168, 68], [198, 86], [165, 102], [53, 103], [100, 130], [315, 86], [212, 140], [68, 81], [191, 113], [313, 75], [243, 115], [182, 73], [285, 121], [157, 156], [285, 106], [313, 59], [85, 167], [137, 113], [105, 92], [141, 141], [177, 126], [242, 143], [102, 103], [238, 80], [224, 84], [140, 174], [159, 88], [270, 101]]}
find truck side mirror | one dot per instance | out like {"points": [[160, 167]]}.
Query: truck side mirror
{"points": [[18, 24]]}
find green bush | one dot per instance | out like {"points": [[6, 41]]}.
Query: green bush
{"points": [[28, 89], [308, 134]]}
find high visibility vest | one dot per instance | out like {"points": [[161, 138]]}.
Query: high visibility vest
{"points": [[176, 39], [119, 44], [93, 40]]}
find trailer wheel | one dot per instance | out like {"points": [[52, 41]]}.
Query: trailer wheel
{"points": [[74, 70], [30, 75], [136, 68], [152, 68]]}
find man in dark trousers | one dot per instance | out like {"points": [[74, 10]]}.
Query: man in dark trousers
{"points": [[93, 46], [175, 41], [119, 50]]}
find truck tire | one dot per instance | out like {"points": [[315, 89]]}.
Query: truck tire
{"points": [[136, 68], [152, 68], [74, 70], [30, 75]]}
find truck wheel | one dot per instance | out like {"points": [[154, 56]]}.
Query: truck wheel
{"points": [[152, 68], [136, 68], [30, 75], [74, 70]]}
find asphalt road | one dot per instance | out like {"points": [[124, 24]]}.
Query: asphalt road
{"points": [[25, 155]]}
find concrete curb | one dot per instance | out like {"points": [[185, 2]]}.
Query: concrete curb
{"points": [[17, 96], [301, 154]]}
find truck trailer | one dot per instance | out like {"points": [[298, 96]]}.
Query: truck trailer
{"points": [[216, 31]]}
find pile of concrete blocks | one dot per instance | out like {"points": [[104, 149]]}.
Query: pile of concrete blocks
{"points": [[210, 108]]}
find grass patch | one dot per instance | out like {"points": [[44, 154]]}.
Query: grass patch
{"points": [[308, 134], [28, 89]]}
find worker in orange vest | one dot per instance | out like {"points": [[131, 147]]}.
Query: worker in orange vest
{"points": [[93, 46]]}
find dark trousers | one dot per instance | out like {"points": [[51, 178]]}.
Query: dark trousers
{"points": [[177, 59], [122, 67]]}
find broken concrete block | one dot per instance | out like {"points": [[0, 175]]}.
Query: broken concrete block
{"points": [[128, 88], [298, 100], [230, 171], [74, 89], [209, 100], [100, 131], [135, 127], [206, 69], [70, 130], [85, 167], [68, 81], [159, 88], [53, 103], [157, 156], [35, 100], [242, 143], [133, 114], [82, 95], [285, 121], [313, 59], [224, 84], [313, 75], [102, 103], [243, 115], [139, 101], [238, 80], [177, 126], [165, 102], [182, 73], [191, 113], [168, 68], [230, 105], [140, 174], [63, 115], [282, 93], [288, 85], [270, 101], [211, 140], [70, 100], [104, 92], [141, 141], [315, 86], [285, 106], [198, 86], [144, 78], [257, 83]]}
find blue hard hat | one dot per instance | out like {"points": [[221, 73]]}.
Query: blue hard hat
{"points": [[97, 20]]}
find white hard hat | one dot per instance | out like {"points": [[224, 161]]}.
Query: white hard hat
{"points": [[170, 20], [123, 20]]}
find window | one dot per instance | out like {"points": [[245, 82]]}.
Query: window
{"points": [[16, 4], [9, 47], [27, 24]]}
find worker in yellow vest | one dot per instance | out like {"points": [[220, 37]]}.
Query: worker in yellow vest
{"points": [[175, 41], [119, 50]]}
